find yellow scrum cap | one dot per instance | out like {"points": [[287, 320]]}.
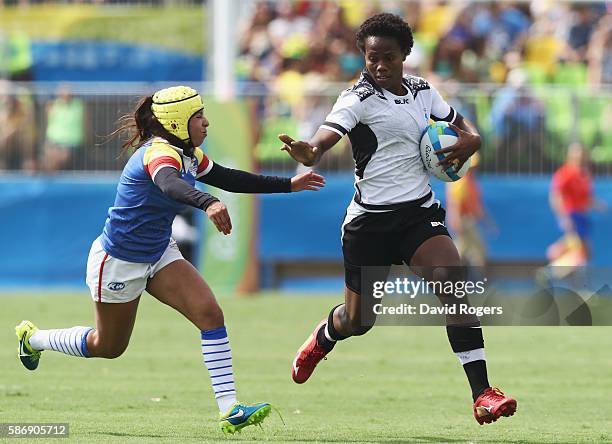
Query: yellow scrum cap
{"points": [[174, 106]]}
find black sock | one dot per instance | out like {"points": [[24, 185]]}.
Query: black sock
{"points": [[464, 340], [476, 372], [323, 341], [333, 333]]}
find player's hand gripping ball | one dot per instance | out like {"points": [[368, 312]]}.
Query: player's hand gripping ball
{"points": [[437, 136]]}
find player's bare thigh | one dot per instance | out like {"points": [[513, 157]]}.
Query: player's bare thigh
{"points": [[437, 259], [437, 251], [181, 286]]}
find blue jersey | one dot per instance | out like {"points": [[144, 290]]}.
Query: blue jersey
{"points": [[139, 224]]}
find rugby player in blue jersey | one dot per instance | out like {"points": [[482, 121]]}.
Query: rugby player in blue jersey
{"points": [[136, 252]]}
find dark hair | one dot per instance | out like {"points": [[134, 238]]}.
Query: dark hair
{"points": [[386, 25], [141, 125]]}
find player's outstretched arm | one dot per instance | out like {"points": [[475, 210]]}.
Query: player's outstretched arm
{"points": [[238, 181], [170, 183], [309, 153]]}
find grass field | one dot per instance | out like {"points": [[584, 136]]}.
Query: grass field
{"points": [[396, 384]]}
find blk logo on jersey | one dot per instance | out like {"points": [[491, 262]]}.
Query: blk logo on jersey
{"points": [[116, 286], [402, 101]]}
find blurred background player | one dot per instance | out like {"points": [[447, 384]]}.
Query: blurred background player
{"points": [[464, 213], [394, 216], [136, 252], [571, 199]]}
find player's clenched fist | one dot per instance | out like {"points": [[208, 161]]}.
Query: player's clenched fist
{"points": [[217, 213]]}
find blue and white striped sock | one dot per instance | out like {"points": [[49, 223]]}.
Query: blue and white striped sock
{"points": [[70, 341], [218, 360]]}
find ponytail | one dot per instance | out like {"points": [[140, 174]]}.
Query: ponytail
{"points": [[145, 122], [142, 125]]}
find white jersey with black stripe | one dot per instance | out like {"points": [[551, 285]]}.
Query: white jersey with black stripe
{"points": [[385, 131]]}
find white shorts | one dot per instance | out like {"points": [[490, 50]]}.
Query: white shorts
{"points": [[116, 281]]}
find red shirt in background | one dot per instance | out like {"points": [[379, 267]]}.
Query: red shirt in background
{"points": [[574, 187]]}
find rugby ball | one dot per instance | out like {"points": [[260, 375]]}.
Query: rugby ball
{"points": [[437, 136]]}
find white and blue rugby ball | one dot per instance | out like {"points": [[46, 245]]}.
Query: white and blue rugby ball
{"points": [[437, 136]]}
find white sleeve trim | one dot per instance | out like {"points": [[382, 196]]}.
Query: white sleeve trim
{"points": [[329, 128], [207, 170]]}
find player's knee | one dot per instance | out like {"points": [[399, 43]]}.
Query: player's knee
{"points": [[440, 274], [448, 274], [210, 316], [216, 316], [444, 275]]}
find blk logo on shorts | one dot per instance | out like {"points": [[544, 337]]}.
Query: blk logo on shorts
{"points": [[116, 286], [437, 224]]}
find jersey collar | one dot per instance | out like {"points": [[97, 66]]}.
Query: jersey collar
{"points": [[365, 75], [176, 148]]}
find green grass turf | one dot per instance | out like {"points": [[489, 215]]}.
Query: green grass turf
{"points": [[396, 384]]}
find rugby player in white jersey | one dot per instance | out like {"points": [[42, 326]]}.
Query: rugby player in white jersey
{"points": [[394, 216]]}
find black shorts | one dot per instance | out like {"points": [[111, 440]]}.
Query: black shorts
{"points": [[384, 239]]}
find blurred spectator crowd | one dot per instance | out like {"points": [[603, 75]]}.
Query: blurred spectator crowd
{"points": [[469, 42], [534, 76], [525, 72], [61, 120]]}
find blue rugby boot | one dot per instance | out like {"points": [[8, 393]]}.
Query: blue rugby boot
{"points": [[240, 416]]}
